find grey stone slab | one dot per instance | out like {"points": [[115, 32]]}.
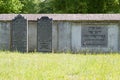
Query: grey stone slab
{"points": [[4, 35], [54, 37], [94, 36], [44, 34], [19, 34], [76, 37], [64, 36], [119, 37], [32, 36], [113, 32]]}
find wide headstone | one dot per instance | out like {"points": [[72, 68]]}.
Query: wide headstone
{"points": [[94, 36], [19, 34], [44, 34]]}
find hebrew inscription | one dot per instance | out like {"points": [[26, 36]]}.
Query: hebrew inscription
{"points": [[94, 36]]}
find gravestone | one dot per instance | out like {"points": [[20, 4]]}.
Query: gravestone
{"points": [[19, 34], [94, 36], [44, 34]]}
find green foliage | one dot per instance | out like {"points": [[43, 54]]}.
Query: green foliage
{"points": [[46, 7], [63, 6], [80, 6], [30, 6], [69, 6], [95, 6], [10, 6], [59, 6], [112, 6]]}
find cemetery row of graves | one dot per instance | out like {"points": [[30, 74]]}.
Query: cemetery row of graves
{"points": [[60, 32], [19, 41]]}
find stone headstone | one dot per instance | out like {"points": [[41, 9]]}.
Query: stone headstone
{"points": [[94, 36], [44, 34], [19, 34]]}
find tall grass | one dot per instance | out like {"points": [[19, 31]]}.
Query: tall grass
{"points": [[40, 66]]}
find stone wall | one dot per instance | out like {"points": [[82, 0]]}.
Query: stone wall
{"points": [[67, 36]]}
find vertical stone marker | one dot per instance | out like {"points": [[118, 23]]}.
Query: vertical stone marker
{"points": [[19, 38], [44, 34]]}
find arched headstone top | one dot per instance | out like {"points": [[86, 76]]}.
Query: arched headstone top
{"points": [[44, 34], [44, 18], [19, 16], [19, 34]]}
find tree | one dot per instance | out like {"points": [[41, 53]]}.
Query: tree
{"points": [[30, 6], [80, 6], [46, 7], [10, 6], [59, 6], [63, 6], [95, 6], [112, 6]]}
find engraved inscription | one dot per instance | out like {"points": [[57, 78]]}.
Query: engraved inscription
{"points": [[44, 34], [45, 46], [94, 36]]}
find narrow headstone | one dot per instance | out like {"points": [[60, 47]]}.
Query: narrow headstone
{"points": [[44, 34], [19, 34]]}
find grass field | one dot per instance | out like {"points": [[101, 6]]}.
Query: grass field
{"points": [[39, 66]]}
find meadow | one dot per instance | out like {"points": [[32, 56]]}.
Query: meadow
{"points": [[59, 66]]}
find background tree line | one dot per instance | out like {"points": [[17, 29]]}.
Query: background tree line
{"points": [[59, 6]]}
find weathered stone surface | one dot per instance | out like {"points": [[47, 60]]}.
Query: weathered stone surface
{"points": [[44, 34], [19, 34], [113, 38], [94, 36], [67, 32], [32, 36], [54, 37], [67, 17], [76, 37], [64, 36], [4, 35]]}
